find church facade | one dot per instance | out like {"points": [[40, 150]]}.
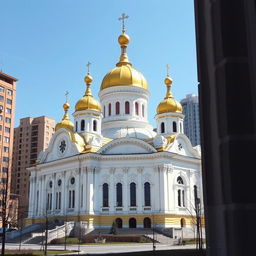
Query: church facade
{"points": [[110, 165]]}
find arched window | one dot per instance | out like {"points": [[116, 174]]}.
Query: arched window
{"points": [[105, 195], [127, 107], [109, 109], [136, 108], [132, 223], [174, 126], [132, 194], [82, 125], [147, 222], [179, 197], [117, 108], [94, 125], [143, 110], [162, 128], [119, 223], [180, 180], [119, 195], [71, 199], [76, 126], [147, 194], [182, 222]]}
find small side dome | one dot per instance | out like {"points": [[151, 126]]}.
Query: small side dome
{"points": [[169, 104], [87, 102], [65, 122]]}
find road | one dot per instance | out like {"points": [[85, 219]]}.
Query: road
{"points": [[102, 248]]}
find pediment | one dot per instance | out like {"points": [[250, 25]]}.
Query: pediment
{"points": [[63, 144], [182, 146], [126, 146]]}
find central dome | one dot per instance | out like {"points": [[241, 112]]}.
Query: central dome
{"points": [[124, 75]]}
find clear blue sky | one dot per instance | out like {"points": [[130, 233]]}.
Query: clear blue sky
{"points": [[47, 43]]}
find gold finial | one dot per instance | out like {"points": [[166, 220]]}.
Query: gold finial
{"points": [[88, 80], [122, 18], [168, 80]]}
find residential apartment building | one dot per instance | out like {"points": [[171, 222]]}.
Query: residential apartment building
{"points": [[190, 107], [7, 110], [32, 136]]}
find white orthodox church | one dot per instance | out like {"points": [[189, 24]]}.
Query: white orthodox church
{"points": [[111, 165]]}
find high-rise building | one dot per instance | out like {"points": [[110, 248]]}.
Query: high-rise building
{"points": [[32, 136], [7, 110], [190, 107]]}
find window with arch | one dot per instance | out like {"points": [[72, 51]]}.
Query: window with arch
{"points": [[76, 126], [119, 222], [136, 108], [147, 194], [71, 199], [119, 194], [174, 126], [147, 222], [82, 125], [94, 124], [58, 201], [132, 194], [49, 202], [109, 109], [162, 127], [143, 110], [105, 195], [132, 223], [181, 192], [117, 108], [127, 107]]}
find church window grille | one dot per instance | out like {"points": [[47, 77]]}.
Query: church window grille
{"points": [[94, 125], [82, 125], [147, 194], [109, 109], [105, 195], [133, 194], [119, 195], [143, 110], [174, 126], [127, 107], [162, 128], [136, 108], [117, 108]]}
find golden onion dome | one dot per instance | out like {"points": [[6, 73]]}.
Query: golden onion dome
{"points": [[87, 102], [123, 73], [169, 104], [65, 122]]}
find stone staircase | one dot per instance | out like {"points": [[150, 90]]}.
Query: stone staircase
{"points": [[160, 238]]}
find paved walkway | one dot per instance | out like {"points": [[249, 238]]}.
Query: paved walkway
{"points": [[97, 249]]}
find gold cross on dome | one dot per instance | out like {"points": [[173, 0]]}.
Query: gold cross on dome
{"points": [[122, 18], [168, 70], [88, 67], [66, 94]]}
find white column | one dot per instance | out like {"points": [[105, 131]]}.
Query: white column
{"points": [[63, 193], [54, 193], [140, 190], [85, 196], [90, 189], [126, 191], [161, 186], [77, 190], [43, 203], [156, 191], [31, 198], [112, 191]]}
